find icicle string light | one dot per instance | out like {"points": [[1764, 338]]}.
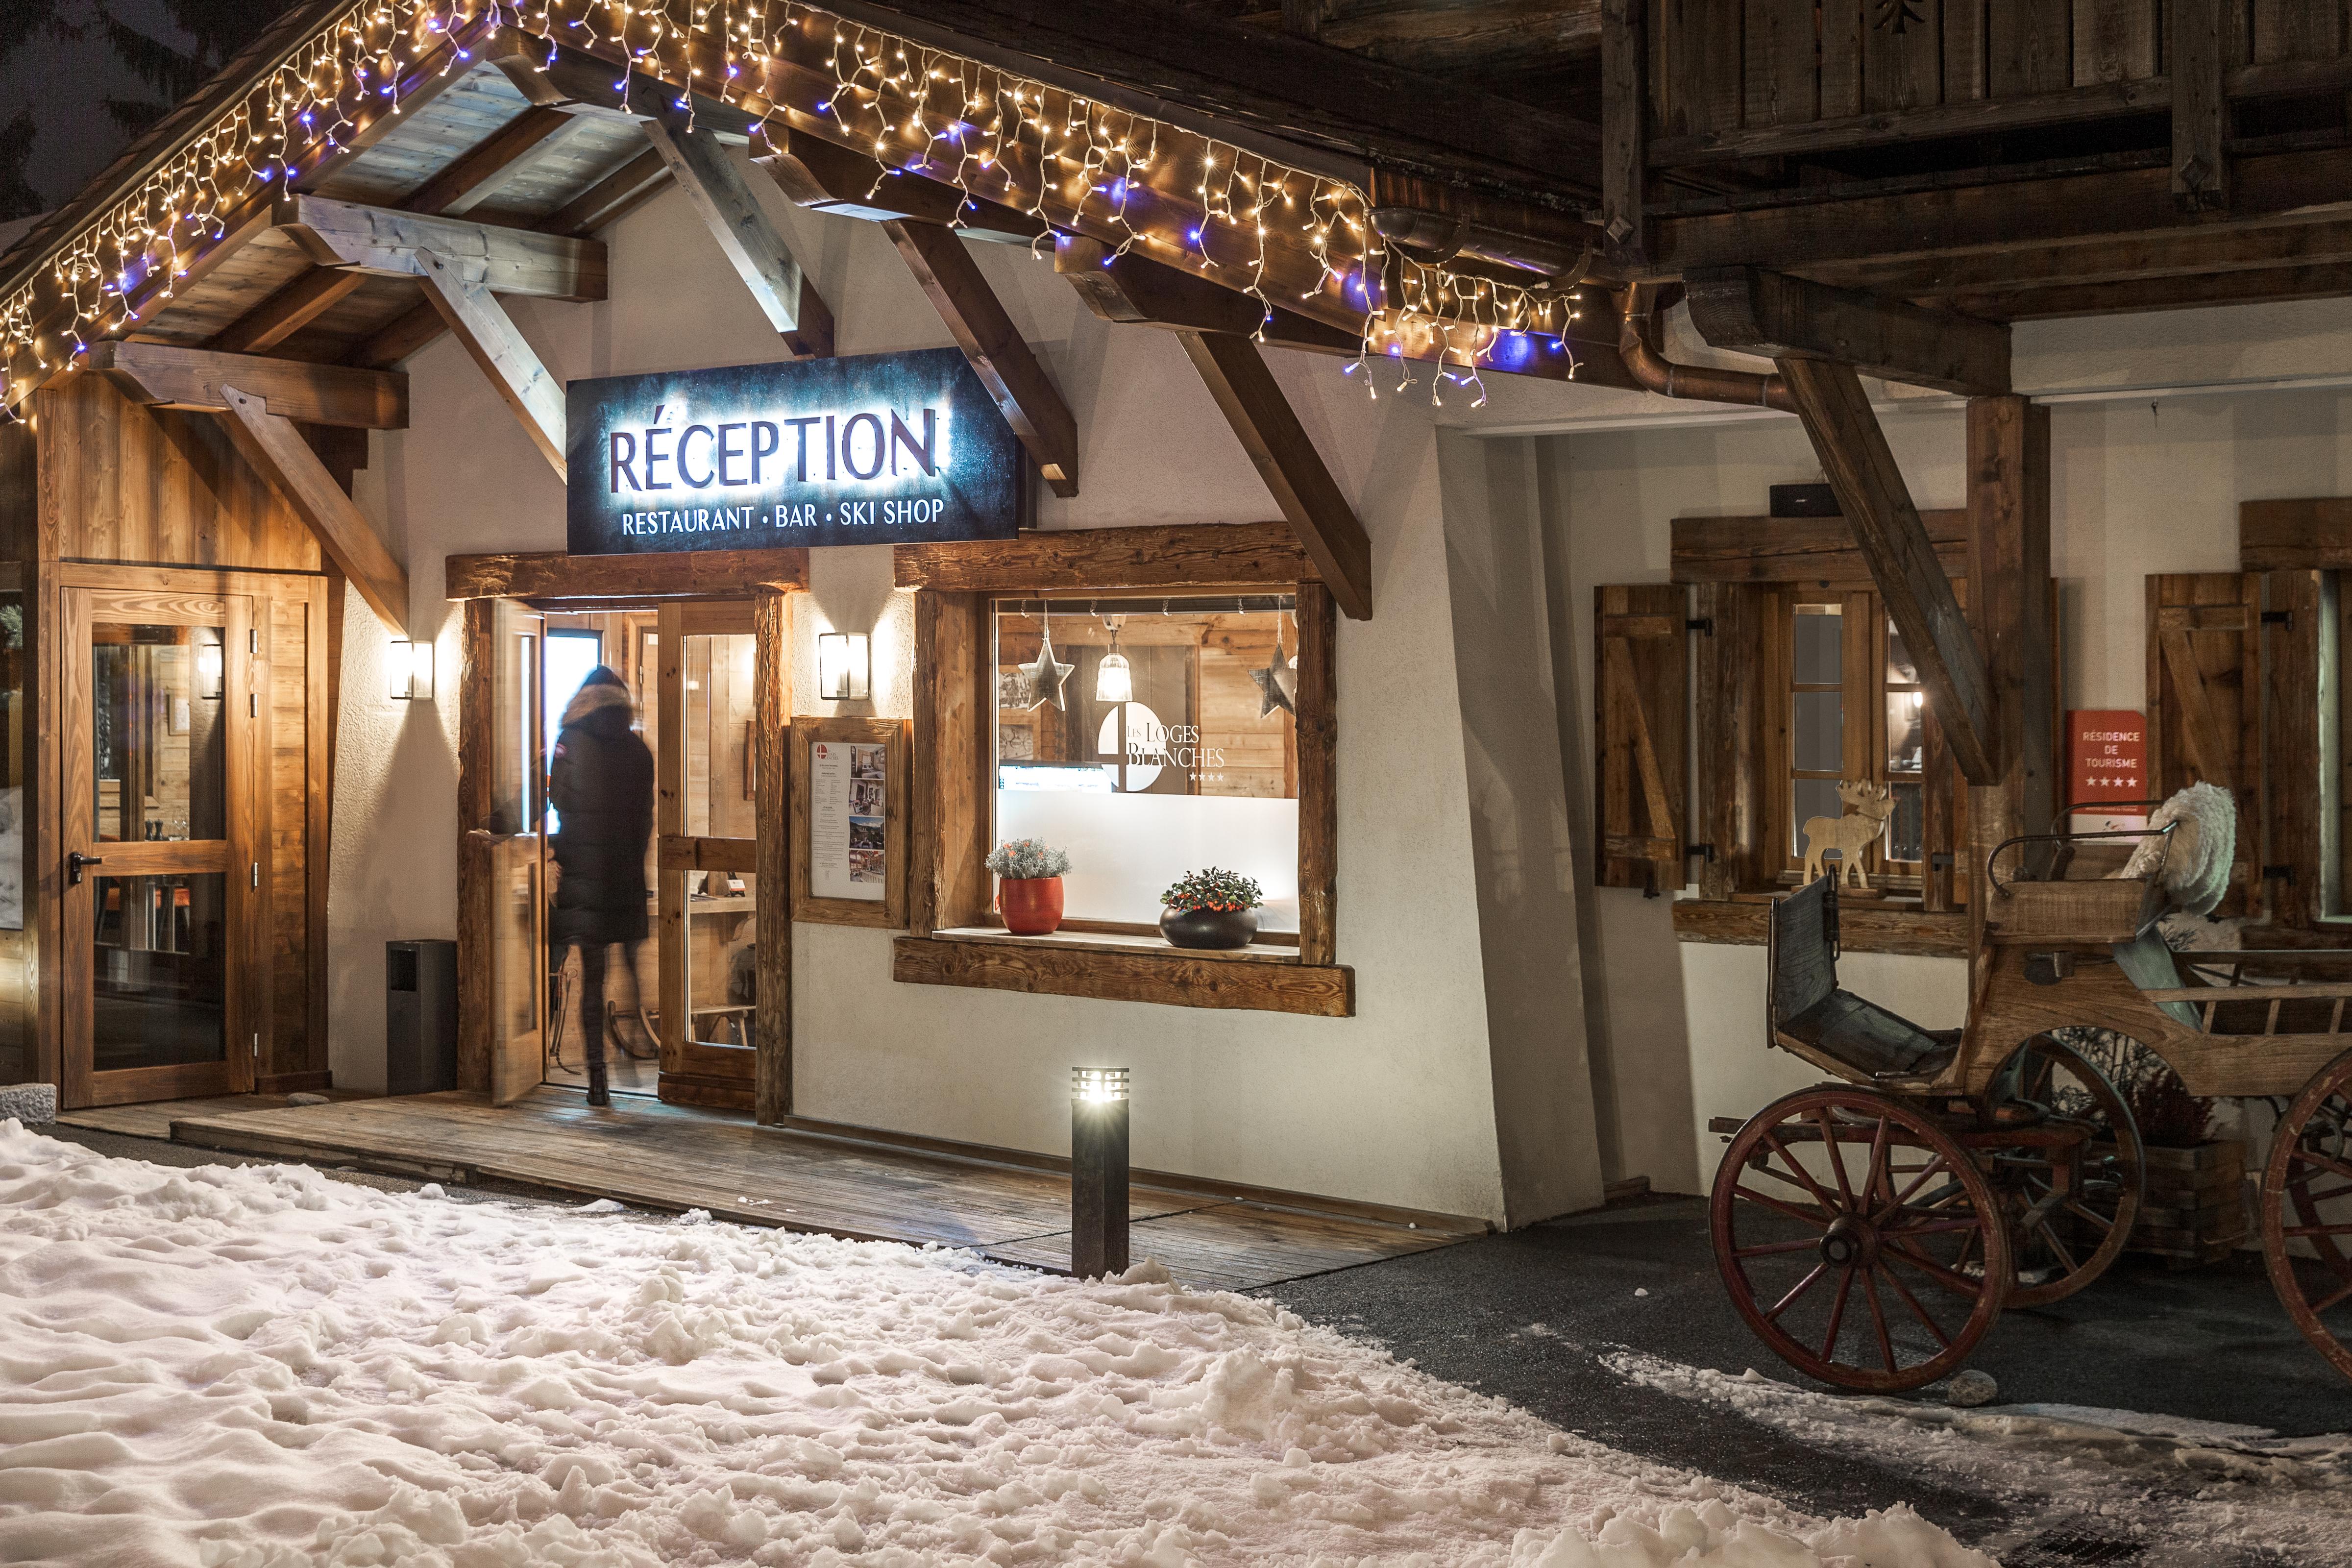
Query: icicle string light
{"points": [[1073, 164]]}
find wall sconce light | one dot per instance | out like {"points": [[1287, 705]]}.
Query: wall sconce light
{"points": [[1114, 681], [411, 670], [210, 664], [845, 667], [1098, 1172]]}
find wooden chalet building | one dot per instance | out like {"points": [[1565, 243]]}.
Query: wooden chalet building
{"points": [[1484, 331]]}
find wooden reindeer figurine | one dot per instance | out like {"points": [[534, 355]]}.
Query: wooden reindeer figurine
{"points": [[1870, 805]]}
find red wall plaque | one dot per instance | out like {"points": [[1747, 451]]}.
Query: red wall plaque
{"points": [[2107, 758]]}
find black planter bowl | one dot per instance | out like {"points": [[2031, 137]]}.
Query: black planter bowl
{"points": [[1208, 928]]}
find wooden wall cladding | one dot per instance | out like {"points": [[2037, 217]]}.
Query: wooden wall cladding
{"points": [[2204, 702], [125, 482], [1720, 67]]}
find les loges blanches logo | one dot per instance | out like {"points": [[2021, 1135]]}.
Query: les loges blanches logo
{"points": [[824, 449]]}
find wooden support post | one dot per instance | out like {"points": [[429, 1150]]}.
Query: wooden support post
{"points": [[2196, 59], [2009, 602], [511, 364], [279, 454], [1778, 316], [1269, 431], [1317, 712], [1625, 120], [1032, 404], [723, 198], [1887, 532], [771, 710]]}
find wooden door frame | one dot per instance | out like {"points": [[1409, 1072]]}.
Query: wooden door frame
{"points": [[672, 582], [248, 1019]]}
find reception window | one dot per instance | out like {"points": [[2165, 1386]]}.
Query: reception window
{"points": [[1149, 738]]}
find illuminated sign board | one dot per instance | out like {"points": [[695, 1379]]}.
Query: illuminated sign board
{"points": [[874, 449]]}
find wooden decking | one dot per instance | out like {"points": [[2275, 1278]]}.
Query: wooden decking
{"points": [[678, 1157]]}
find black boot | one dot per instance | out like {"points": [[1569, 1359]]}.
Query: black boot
{"points": [[597, 1093]]}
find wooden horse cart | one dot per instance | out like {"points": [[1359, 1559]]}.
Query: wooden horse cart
{"points": [[1870, 1230]]}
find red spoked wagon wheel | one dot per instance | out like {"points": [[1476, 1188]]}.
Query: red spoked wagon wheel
{"points": [[2306, 1211], [1858, 1239], [2070, 1180]]}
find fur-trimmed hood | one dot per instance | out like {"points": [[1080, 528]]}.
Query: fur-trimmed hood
{"points": [[595, 699]]}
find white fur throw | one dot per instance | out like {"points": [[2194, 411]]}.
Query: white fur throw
{"points": [[2196, 866]]}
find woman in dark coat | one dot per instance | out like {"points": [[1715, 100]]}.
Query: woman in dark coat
{"points": [[602, 785]]}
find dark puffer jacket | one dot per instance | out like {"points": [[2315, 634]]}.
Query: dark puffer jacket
{"points": [[603, 787]]}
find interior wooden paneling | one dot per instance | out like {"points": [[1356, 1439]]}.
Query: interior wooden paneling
{"points": [[123, 483]]}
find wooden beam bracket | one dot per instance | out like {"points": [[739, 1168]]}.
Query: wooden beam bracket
{"points": [[722, 197], [1780, 317], [270, 441], [1030, 403], [504, 356], [1889, 533]]}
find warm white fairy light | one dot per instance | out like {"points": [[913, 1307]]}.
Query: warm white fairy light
{"points": [[1072, 163]]}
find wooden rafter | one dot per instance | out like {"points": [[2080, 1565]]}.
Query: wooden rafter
{"points": [[1135, 289], [482, 171], [468, 309], [1889, 533], [1027, 396], [824, 176], [748, 238], [288, 310], [1268, 427], [612, 197], [165, 375], [1775, 315], [271, 442]]}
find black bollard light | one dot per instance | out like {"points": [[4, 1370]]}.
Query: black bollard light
{"points": [[1098, 1172]]}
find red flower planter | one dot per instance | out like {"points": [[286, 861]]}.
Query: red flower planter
{"points": [[1032, 906]]}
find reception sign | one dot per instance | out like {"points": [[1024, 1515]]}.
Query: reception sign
{"points": [[875, 449]]}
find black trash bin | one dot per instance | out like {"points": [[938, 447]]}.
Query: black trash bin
{"points": [[420, 1015]]}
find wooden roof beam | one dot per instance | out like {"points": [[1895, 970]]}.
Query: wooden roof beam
{"points": [[825, 176], [610, 198], [1778, 317], [165, 375], [1893, 540], [785, 294], [1030, 401], [467, 306], [1268, 429], [316, 291], [386, 242], [479, 174], [1135, 289], [270, 441]]}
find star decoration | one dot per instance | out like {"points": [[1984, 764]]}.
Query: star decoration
{"points": [[1042, 680], [1277, 683]]}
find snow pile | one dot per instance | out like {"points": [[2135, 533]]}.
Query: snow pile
{"points": [[260, 1366]]}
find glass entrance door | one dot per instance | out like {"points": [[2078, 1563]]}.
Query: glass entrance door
{"points": [[163, 963]]}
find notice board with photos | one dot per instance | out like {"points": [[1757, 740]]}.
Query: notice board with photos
{"points": [[849, 821]]}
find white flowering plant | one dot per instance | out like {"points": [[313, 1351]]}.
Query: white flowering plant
{"points": [[1025, 860]]}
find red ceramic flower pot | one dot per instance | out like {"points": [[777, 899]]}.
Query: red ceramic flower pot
{"points": [[1032, 906]]}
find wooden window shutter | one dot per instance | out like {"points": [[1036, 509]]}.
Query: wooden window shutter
{"points": [[2204, 703], [1734, 674], [2293, 790], [1640, 711]]}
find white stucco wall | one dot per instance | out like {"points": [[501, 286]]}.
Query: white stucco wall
{"points": [[1398, 1104], [2140, 485]]}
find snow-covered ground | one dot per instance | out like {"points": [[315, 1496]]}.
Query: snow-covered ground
{"points": [[241, 1367], [2190, 1493]]}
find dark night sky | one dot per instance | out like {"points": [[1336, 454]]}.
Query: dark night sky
{"points": [[65, 84]]}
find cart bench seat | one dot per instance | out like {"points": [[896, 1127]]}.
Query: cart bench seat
{"points": [[1811, 1015]]}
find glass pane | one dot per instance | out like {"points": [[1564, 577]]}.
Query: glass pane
{"points": [[1820, 732], [571, 653], [160, 971], [1901, 670], [722, 977], [160, 749], [1821, 633], [1814, 797], [1906, 732], [1168, 746], [719, 737], [1907, 830]]}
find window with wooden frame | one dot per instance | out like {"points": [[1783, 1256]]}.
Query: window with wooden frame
{"points": [[1770, 662], [1164, 754]]}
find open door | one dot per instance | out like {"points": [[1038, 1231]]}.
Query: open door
{"points": [[509, 870], [164, 963]]}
